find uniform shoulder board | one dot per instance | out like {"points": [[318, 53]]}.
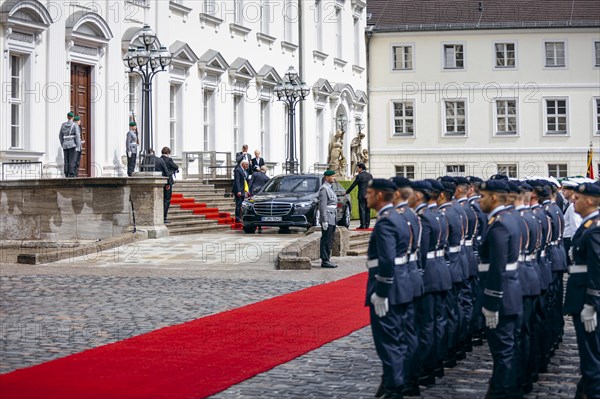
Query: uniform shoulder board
{"points": [[492, 220], [588, 223], [385, 213]]}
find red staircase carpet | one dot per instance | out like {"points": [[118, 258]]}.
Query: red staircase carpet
{"points": [[200, 208], [204, 356]]}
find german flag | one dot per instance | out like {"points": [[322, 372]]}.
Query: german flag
{"points": [[590, 163]]}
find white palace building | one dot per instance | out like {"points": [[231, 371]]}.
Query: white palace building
{"points": [[216, 95], [476, 88]]}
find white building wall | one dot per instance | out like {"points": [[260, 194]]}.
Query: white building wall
{"points": [[479, 83]]}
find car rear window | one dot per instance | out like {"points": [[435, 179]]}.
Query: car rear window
{"points": [[292, 184]]}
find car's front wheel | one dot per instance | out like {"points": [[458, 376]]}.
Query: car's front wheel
{"points": [[345, 220], [250, 229]]}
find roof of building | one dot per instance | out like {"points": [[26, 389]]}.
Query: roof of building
{"points": [[429, 15]]}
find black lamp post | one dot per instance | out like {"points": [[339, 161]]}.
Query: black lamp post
{"points": [[146, 61], [292, 91], [360, 125]]}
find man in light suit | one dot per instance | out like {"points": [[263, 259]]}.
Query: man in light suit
{"points": [[257, 162], [327, 211]]}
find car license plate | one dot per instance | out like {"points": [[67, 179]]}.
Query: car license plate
{"points": [[271, 219]]}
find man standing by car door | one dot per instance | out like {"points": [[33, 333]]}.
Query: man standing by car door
{"points": [[362, 180], [327, 211]]}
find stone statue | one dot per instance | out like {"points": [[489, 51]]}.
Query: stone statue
{"points": [[356, 151], [336, 160], [365, 156]]}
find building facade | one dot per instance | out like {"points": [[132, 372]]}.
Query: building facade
{"points": [[470, 91], [217, 94]]}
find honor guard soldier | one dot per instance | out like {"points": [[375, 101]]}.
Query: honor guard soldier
{"points": [[583, 288], [70, 139], [403, 193], [572, 218], [529, 279], [327, 211], [436, 283], [502, 295], [389, 288], [454, 261]]}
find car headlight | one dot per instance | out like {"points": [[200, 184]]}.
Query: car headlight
{"points": [[246, 205], [302, 207]]}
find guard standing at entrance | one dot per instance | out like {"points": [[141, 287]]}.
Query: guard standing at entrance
{"points": [[131, 144], [69, 140], [327, 211], [362, 180]]}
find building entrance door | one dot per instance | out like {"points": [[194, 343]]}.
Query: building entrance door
{"points": [[81, 86]]}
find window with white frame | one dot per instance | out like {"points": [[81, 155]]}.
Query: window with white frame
{"points": [[265, 16], [404, 118], [597, 116], [237, 119], [320, 128], [555, 54], [505, 55], [556, 116], [506, 117], [407, 171], [174, 108], [133, 96], [558, 170], [264, 125], [597, 54], [209, 119], [508, 170], [455, 123], [453, 56], [239, 11], [16, 101], [210, 7], [338, 33], [403, 57], [319, 25], [455, 170]]}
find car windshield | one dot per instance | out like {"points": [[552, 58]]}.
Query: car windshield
{"points": [[292, 184]]}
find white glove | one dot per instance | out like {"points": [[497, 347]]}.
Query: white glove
{"points": [[324, 226], [128, 154], [380, 305], [589, 318], [491, 318]]}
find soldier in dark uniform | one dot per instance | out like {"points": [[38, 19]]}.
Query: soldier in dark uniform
{"points": [[389, 288], [362, 180], [403, 193], [454, 260], [543, 333], [477, 324], [468, 290], [327, 211], [530, 284], [583, 288], [502, 294]]}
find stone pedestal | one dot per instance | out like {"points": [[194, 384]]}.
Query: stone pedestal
{"points": [[80, 208], [341, 242]]}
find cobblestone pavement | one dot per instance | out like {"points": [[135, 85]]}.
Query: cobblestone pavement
{"points": [[50, 311]]}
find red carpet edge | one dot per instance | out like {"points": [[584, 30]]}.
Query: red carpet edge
{"points": [[201, 357]]}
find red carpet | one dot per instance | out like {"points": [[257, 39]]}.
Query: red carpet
{"points": [[204, 356]]}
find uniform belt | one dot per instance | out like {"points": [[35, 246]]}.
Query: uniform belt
{"points": [[413, 257], [556, 242], [593, 292], [69, 136], [453, 250], [542, 253], [468, 243], [439, 253], [397, 261], [484, 267], [431, 254], [522, 258], [578, 269], [331, 206], [530, 258], [462, 242]]}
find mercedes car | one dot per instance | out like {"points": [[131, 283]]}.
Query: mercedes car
{"points": [[291, 201]]}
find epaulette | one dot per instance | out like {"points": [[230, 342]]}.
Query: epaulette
{"points": [[494, 219]]}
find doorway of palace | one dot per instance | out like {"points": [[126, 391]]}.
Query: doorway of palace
{"points": [[81, 94]]}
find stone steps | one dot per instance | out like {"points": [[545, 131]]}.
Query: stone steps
{"points": [[359, 243], [174, 230]]}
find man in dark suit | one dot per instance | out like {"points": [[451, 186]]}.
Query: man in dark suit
{"points": [[259, 179], [362, 180], [243, 155], [172, 168], [240, 180], [257, 162]]}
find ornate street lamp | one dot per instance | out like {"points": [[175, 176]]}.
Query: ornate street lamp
{"points": [[147, 60], [292, 91], [360, 125]]}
